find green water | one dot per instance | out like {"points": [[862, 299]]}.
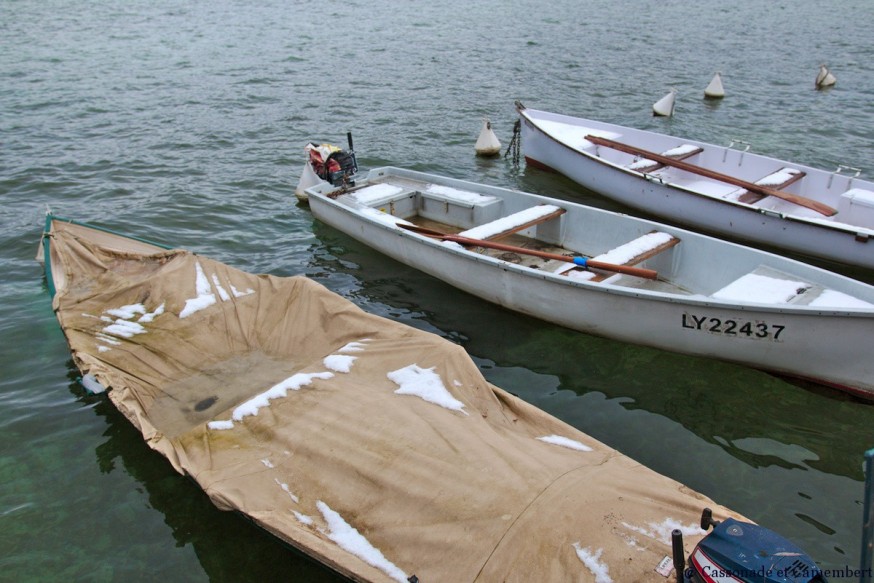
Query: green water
{"points": [[185, 124]]}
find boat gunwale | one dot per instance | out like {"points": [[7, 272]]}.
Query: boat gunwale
{"points": [[696, 300], [840, 227], [46, 241]]}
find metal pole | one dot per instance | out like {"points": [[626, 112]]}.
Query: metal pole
{"points": [[679, 559], [868, 519]]}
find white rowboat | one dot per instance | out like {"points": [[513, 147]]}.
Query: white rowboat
{"points": [[721, 189], [694, 294]]}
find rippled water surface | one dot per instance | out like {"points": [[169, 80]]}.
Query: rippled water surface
{"points": [[184, 122]]}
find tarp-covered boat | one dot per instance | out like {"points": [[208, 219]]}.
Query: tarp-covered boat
{"points": [[378, 449], [724, 190]]}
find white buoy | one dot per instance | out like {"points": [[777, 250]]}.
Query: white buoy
{"points": [[487, 143], [665, 105], [824, 78], [308, 178], [715, 90]]}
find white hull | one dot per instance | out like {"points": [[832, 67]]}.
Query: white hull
{"points": [[677, 313], [558, 142]]}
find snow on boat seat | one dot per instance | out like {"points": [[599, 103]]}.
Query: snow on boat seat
{"points": [[679, 153], [462, 208], [377, 194], [506, 226], [765, 285], [631, 253], [777, 180], [388, 199], [456, 195], [858, 204]]}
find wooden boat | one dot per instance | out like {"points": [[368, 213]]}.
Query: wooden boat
{"points": [[723, 190], [256, 387], [613, 275]]}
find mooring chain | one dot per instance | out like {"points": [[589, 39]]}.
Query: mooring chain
{"points": [[513, 147]]}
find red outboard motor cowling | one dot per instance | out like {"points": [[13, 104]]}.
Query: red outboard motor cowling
{"points": [[332, 164]]}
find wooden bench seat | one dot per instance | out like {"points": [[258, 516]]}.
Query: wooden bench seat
{"points": [[506, 226], [679, 153], [777, 180], [631, 253]]}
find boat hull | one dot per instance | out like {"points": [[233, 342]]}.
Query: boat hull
{"points": [[804, 233], [790, 342]]}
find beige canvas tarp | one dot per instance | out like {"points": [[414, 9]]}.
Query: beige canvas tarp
{"points": [[374, 447]]}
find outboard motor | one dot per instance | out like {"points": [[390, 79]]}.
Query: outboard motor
{"points": [[742, 552], [332, 164]]}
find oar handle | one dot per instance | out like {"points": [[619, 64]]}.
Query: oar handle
{"points": [[626, 269]]}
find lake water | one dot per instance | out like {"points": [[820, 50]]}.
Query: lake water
{"points": [[185, 122]]}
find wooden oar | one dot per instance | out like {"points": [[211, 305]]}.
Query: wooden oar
{"points": [[750, 186], [581, 261]]}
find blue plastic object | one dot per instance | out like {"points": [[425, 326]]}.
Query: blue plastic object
{"points": [[750, 553]]}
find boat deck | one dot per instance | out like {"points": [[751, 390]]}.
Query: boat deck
{"points": [[552, 265]]}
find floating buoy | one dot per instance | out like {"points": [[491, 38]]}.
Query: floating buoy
{"points": [[715, 89], [665, 105], [487, 143], [308, 178], [824, 78]]}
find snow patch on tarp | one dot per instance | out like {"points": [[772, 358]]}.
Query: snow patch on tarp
{"points": [[287, 490], [149, 316], [350, 540], [277, 391], [354, 346], [125, 329], [425, 384], [339, 362], [592, 561], [564, 442], [205, 296], [223, 294], [122, 325], [127, 312], [204, 299], [662, 531], [303, 518]]}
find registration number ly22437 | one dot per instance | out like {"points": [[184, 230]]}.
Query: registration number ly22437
{"points": [[757, 330]]}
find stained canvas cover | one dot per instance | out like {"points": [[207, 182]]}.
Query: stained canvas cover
{"points": [[374, 447]]}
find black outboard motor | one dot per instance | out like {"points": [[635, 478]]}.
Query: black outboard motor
{"points": [[742, 552]]}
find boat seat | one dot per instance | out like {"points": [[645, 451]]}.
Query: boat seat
{"points": [[678, 153], [858, 205], [766, 285], [777, 180], [631, 253], [506, 226]]}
